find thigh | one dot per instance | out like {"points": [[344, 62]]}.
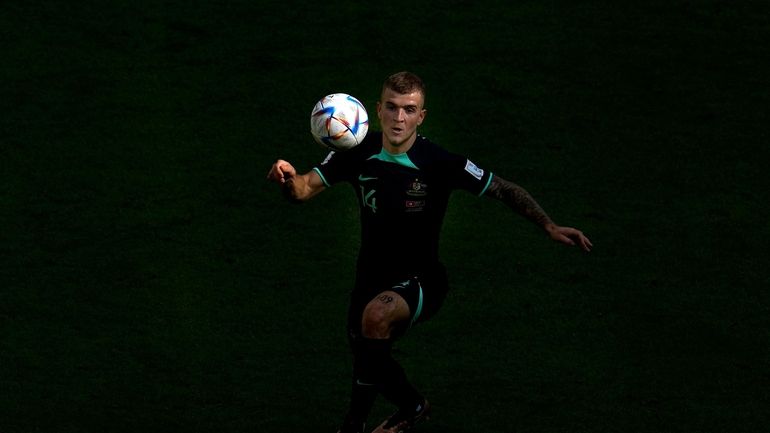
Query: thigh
{"points": [[423, 293], [385, 316]]}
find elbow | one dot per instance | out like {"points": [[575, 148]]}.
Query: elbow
{"points": [[292, 197]]}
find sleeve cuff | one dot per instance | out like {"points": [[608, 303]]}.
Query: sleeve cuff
{"points": [[321, 175], [486, 187]]}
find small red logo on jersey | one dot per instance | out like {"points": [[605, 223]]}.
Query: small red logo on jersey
{"points": [[415, 205]]}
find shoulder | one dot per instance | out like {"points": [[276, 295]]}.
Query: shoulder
{"points": [[424, 143], [426, 149], [369, 146], [450, 165], [428, 152]]}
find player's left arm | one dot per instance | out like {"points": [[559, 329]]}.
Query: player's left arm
{"points": [[518, 199]]}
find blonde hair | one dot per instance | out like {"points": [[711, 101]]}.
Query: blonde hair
{"points": [[404, 82]]}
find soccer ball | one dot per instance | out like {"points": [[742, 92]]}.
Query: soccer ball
{"points": [[339, 121]]}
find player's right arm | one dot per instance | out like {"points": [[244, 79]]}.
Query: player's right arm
{"points": [[295, 187]]}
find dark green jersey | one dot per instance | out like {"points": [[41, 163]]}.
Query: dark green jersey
{"points": [[402, 199]]}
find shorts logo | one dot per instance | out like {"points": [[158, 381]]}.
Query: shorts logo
{"points": [[471, 168]]}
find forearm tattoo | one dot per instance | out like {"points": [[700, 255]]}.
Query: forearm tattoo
{"points": [[518, 199]]}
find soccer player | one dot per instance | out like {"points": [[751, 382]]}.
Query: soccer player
{"points": [[403, 182]]}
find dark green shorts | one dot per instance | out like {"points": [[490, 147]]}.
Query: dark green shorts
{"points": [[424, 293]]}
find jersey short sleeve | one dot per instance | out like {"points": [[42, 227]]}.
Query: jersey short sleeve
{"points": [[345, 166], [336, 167], [462, 173]]}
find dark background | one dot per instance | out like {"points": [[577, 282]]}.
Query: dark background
{"points": [[152, 280]]}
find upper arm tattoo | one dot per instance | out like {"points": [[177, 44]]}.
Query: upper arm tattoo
{"points": [[518, 199]]}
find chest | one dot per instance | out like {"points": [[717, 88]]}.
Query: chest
{"points": [[391, 189]]}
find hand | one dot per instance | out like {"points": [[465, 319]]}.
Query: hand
{"points": [[281, 172], [569, 236]]}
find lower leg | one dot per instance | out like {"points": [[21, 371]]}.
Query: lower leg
{"points": [[364, 387], [374, 369]]}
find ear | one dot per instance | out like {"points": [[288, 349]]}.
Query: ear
{"points": [[423, 113], [379, 108]]}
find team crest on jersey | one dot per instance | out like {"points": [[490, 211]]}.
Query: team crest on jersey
{"points": [[417, 189], [475, 171]]}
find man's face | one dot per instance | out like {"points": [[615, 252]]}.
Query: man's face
{"points": [[400, 115]]}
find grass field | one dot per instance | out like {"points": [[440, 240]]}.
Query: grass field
{"points": [[152, 280]]}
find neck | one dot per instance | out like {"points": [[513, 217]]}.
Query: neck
{"points": [[394, 149]]}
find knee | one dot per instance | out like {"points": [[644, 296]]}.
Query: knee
{"points": [[376, 323]]}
